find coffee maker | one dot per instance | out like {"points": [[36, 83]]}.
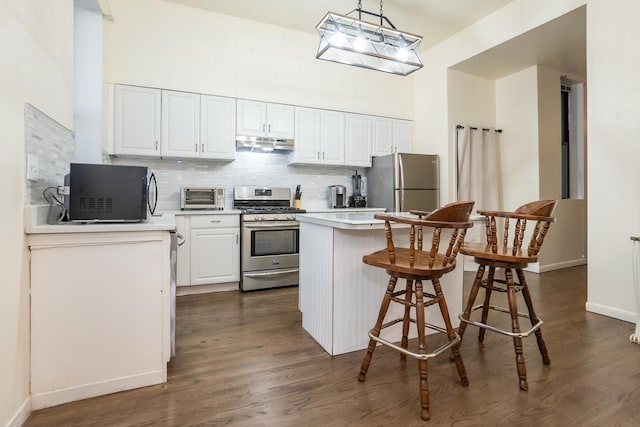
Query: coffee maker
{"points": [[337, 196], [357, 200]]}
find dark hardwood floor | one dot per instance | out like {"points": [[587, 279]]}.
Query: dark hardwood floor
{"points": [[244, 360]]}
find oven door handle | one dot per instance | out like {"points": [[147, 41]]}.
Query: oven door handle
{"points": [[271, 274], [281, 225]]}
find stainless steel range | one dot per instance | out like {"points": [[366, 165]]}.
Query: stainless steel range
{"points": [[269, 237]]}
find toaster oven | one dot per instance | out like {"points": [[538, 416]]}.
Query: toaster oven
{"points": [[201, 198]]}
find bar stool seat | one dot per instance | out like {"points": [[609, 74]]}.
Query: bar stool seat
{"points": [[497, 253], [414, 264]]}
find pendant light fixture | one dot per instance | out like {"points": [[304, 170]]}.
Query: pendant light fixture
{"points": [[353, 41]]}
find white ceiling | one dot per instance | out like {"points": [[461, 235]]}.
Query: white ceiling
{"points": [[434, 20], [559, 44]]}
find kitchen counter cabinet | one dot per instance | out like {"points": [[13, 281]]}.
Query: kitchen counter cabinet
{"points": [[209, 260], [100, 311], [339, 295]]}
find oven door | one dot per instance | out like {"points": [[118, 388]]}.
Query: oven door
{"points": [[270, 245]]}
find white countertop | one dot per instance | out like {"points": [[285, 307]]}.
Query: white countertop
{"points": [[354, 220], [330, 210], [166, 222]]}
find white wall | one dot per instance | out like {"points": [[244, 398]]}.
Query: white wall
{"points": [[432, 129], [472, 101], [613, 152], [517, 115], [37, 67], [165, 45], [88, 85]]}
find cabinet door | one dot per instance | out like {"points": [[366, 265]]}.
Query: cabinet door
{"points": [[252, 118], [183, 267], [332, 137], [280, 121], [215, 255], [307, 135], [137, 121], [358, 140], [382, 136], [180, 124], [402, 134], [217, 127]]}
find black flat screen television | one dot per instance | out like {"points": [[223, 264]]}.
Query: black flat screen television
{"points": [[107, 193]]}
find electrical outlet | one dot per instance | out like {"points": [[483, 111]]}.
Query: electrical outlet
{"points": [[32, 167]]}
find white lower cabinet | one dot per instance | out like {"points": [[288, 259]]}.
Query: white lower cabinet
{"points": [[211, 252], [100, 313]]}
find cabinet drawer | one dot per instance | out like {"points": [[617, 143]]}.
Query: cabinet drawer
{"points": [[215, 221]]}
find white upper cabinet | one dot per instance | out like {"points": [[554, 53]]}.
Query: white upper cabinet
{"points": [[137, 121], [390, 136], [165, 123], [402, 134], [382, 136], [358, 140], [217, 127], [319, 136], [307, 135], [262, 119], [180, 124], [332, 137]]}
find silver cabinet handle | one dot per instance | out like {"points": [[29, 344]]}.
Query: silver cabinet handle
{"points": [[318, 155], [156, 145], [269, 128], [195, 147], [323, 155], [202, 148], [213, 221], [263, 127]]}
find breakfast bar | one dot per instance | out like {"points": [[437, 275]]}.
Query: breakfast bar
{"points": [[339, 296]]}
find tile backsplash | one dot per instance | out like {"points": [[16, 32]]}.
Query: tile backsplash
{"points": [[253, 169], [52, 146]]}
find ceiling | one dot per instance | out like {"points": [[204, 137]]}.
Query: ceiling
{"points": [[434, 20], [559, 44]]}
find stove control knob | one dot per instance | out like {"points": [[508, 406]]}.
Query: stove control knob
{"points": [[277, 218], [291, 217], [260, 218]]}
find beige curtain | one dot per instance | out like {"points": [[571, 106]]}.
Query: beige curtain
{"points": [[478, 172]]}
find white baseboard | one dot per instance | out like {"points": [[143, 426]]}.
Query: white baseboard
{"points": [[615, 313], [58, 397], [205, 289], [537, 268], [21, 415]]}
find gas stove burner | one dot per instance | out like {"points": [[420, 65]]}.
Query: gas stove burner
{"points": [[270, 210]]}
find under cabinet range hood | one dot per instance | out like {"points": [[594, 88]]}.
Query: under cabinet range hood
{"points": [[262, 144]]}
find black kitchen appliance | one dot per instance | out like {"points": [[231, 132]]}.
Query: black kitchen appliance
{"points": [[357, 200], [109, 193]]}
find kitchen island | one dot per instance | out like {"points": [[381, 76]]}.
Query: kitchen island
{"points": [[100, 308], [339, 295]]}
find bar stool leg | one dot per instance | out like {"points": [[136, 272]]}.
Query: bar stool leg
{"points": [[378, 326], [515, 328], [485, 305], [534, 318], [407, 318], [472, 298], [451, 334], [422, 349]]}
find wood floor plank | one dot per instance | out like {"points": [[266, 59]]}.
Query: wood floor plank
{"points": [[244, 360]]}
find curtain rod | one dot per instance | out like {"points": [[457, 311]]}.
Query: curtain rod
{"points": [[462, 127]]}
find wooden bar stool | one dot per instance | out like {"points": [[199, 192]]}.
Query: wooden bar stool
{"points": [[497, 253], [416, 265]]}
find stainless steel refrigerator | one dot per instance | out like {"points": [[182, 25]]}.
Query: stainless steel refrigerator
{"points": [[400, 182]]}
